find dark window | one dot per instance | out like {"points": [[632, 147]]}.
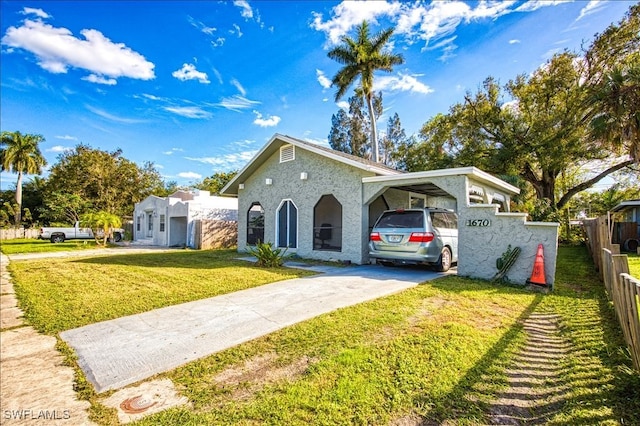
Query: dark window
{"points": [[439, 220], [162, 221], [288, 225], [401, 219], [255, 224], [327, 224]]}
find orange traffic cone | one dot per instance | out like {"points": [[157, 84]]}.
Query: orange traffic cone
{"points": [[537, 275]]}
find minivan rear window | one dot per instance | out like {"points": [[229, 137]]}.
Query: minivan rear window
{"points": [[405, 219]]}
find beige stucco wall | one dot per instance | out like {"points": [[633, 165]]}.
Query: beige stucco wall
{"points": [[324, 176]]}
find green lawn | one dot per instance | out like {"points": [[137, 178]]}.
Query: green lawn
{"points": [[435, 353], [32, 245], [634, 265], [60, 294]]}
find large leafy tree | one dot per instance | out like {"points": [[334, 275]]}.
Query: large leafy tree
{"points": [[574, 111], [361, 57], [21, 154], [99, 180], [216, 182]]}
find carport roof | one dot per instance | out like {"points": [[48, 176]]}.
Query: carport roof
{"points": [[408, 180]]}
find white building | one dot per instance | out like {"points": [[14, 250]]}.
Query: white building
{"points": [[170, 221]]}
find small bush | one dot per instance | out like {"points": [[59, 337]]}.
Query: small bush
{"points": [[267, 256]]}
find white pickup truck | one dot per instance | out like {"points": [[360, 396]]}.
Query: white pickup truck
{"points": [[59, 235]]}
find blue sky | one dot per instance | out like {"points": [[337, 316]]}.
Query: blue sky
{"points": [[197, 87]]}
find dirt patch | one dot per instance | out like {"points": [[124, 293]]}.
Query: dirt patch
{"points": [[426, 309], [254, 374]]}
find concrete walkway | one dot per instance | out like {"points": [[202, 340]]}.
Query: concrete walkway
{"points": [[36, 388], [116, 353]]}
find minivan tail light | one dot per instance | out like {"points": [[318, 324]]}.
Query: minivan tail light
{"points": [[375, 236], [421, 237]]}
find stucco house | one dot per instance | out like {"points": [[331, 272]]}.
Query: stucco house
{"points": [[171, 221], [322, 204]]}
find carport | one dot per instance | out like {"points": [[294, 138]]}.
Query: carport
{"points": [[486, 227]]}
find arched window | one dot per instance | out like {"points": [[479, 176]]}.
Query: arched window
{"points": [[287, 225], [255, 224], [327, 224]]}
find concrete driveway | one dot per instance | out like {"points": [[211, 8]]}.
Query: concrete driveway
{"points": [[116, 353]]}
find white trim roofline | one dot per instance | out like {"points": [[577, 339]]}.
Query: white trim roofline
{"points": [[231, 188], [468, 171], [624, 204]]}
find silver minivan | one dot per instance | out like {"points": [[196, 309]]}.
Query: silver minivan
{"points": [[418, 236]]}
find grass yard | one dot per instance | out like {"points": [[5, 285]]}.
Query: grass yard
{"points": [[634, 265], [433, 354], [60, 294], [32, 245]]}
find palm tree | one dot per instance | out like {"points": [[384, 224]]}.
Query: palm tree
{"points": [[616, 103], [361, 58], [101, 221], [20, 154]]}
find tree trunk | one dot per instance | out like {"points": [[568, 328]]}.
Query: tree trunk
{"points": [[18, 213], [374, 132]]}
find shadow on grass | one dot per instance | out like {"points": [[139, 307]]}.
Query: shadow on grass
{"points": [[468, 400], [578, 374]]}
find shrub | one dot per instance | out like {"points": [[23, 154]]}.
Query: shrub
{"points": [[268, 256]]}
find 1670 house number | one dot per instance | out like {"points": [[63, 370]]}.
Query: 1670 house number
{"points": [[478, 222]]}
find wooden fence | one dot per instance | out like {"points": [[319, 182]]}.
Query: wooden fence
{"points": [[13, 233], [622, 289]]}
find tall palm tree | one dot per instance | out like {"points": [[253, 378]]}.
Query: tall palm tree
{"points": [[361, 57], [20, 154]]}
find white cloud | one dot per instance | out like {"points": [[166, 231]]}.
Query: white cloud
{"points": [[414, 21], [343, 104], [38, 12], [236, 30], [172, 151], [238, 86], [190, 175], [402, 83], [92, 78], [592, 7], [246, 11], [272, 121], [218, 42], [218, 75], [202, 26], [57, 50], [323, 79], [189, 72], [58, 149], [227, 161], [350, 14], [112, 117], [237, 103], [514, 41], [532, 5], [67, 138], [189, 112]]}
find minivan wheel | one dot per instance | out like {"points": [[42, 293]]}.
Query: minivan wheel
{"points": [[444, 262]]}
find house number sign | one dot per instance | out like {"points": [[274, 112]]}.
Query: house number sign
{"points": [[478, 222]]}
